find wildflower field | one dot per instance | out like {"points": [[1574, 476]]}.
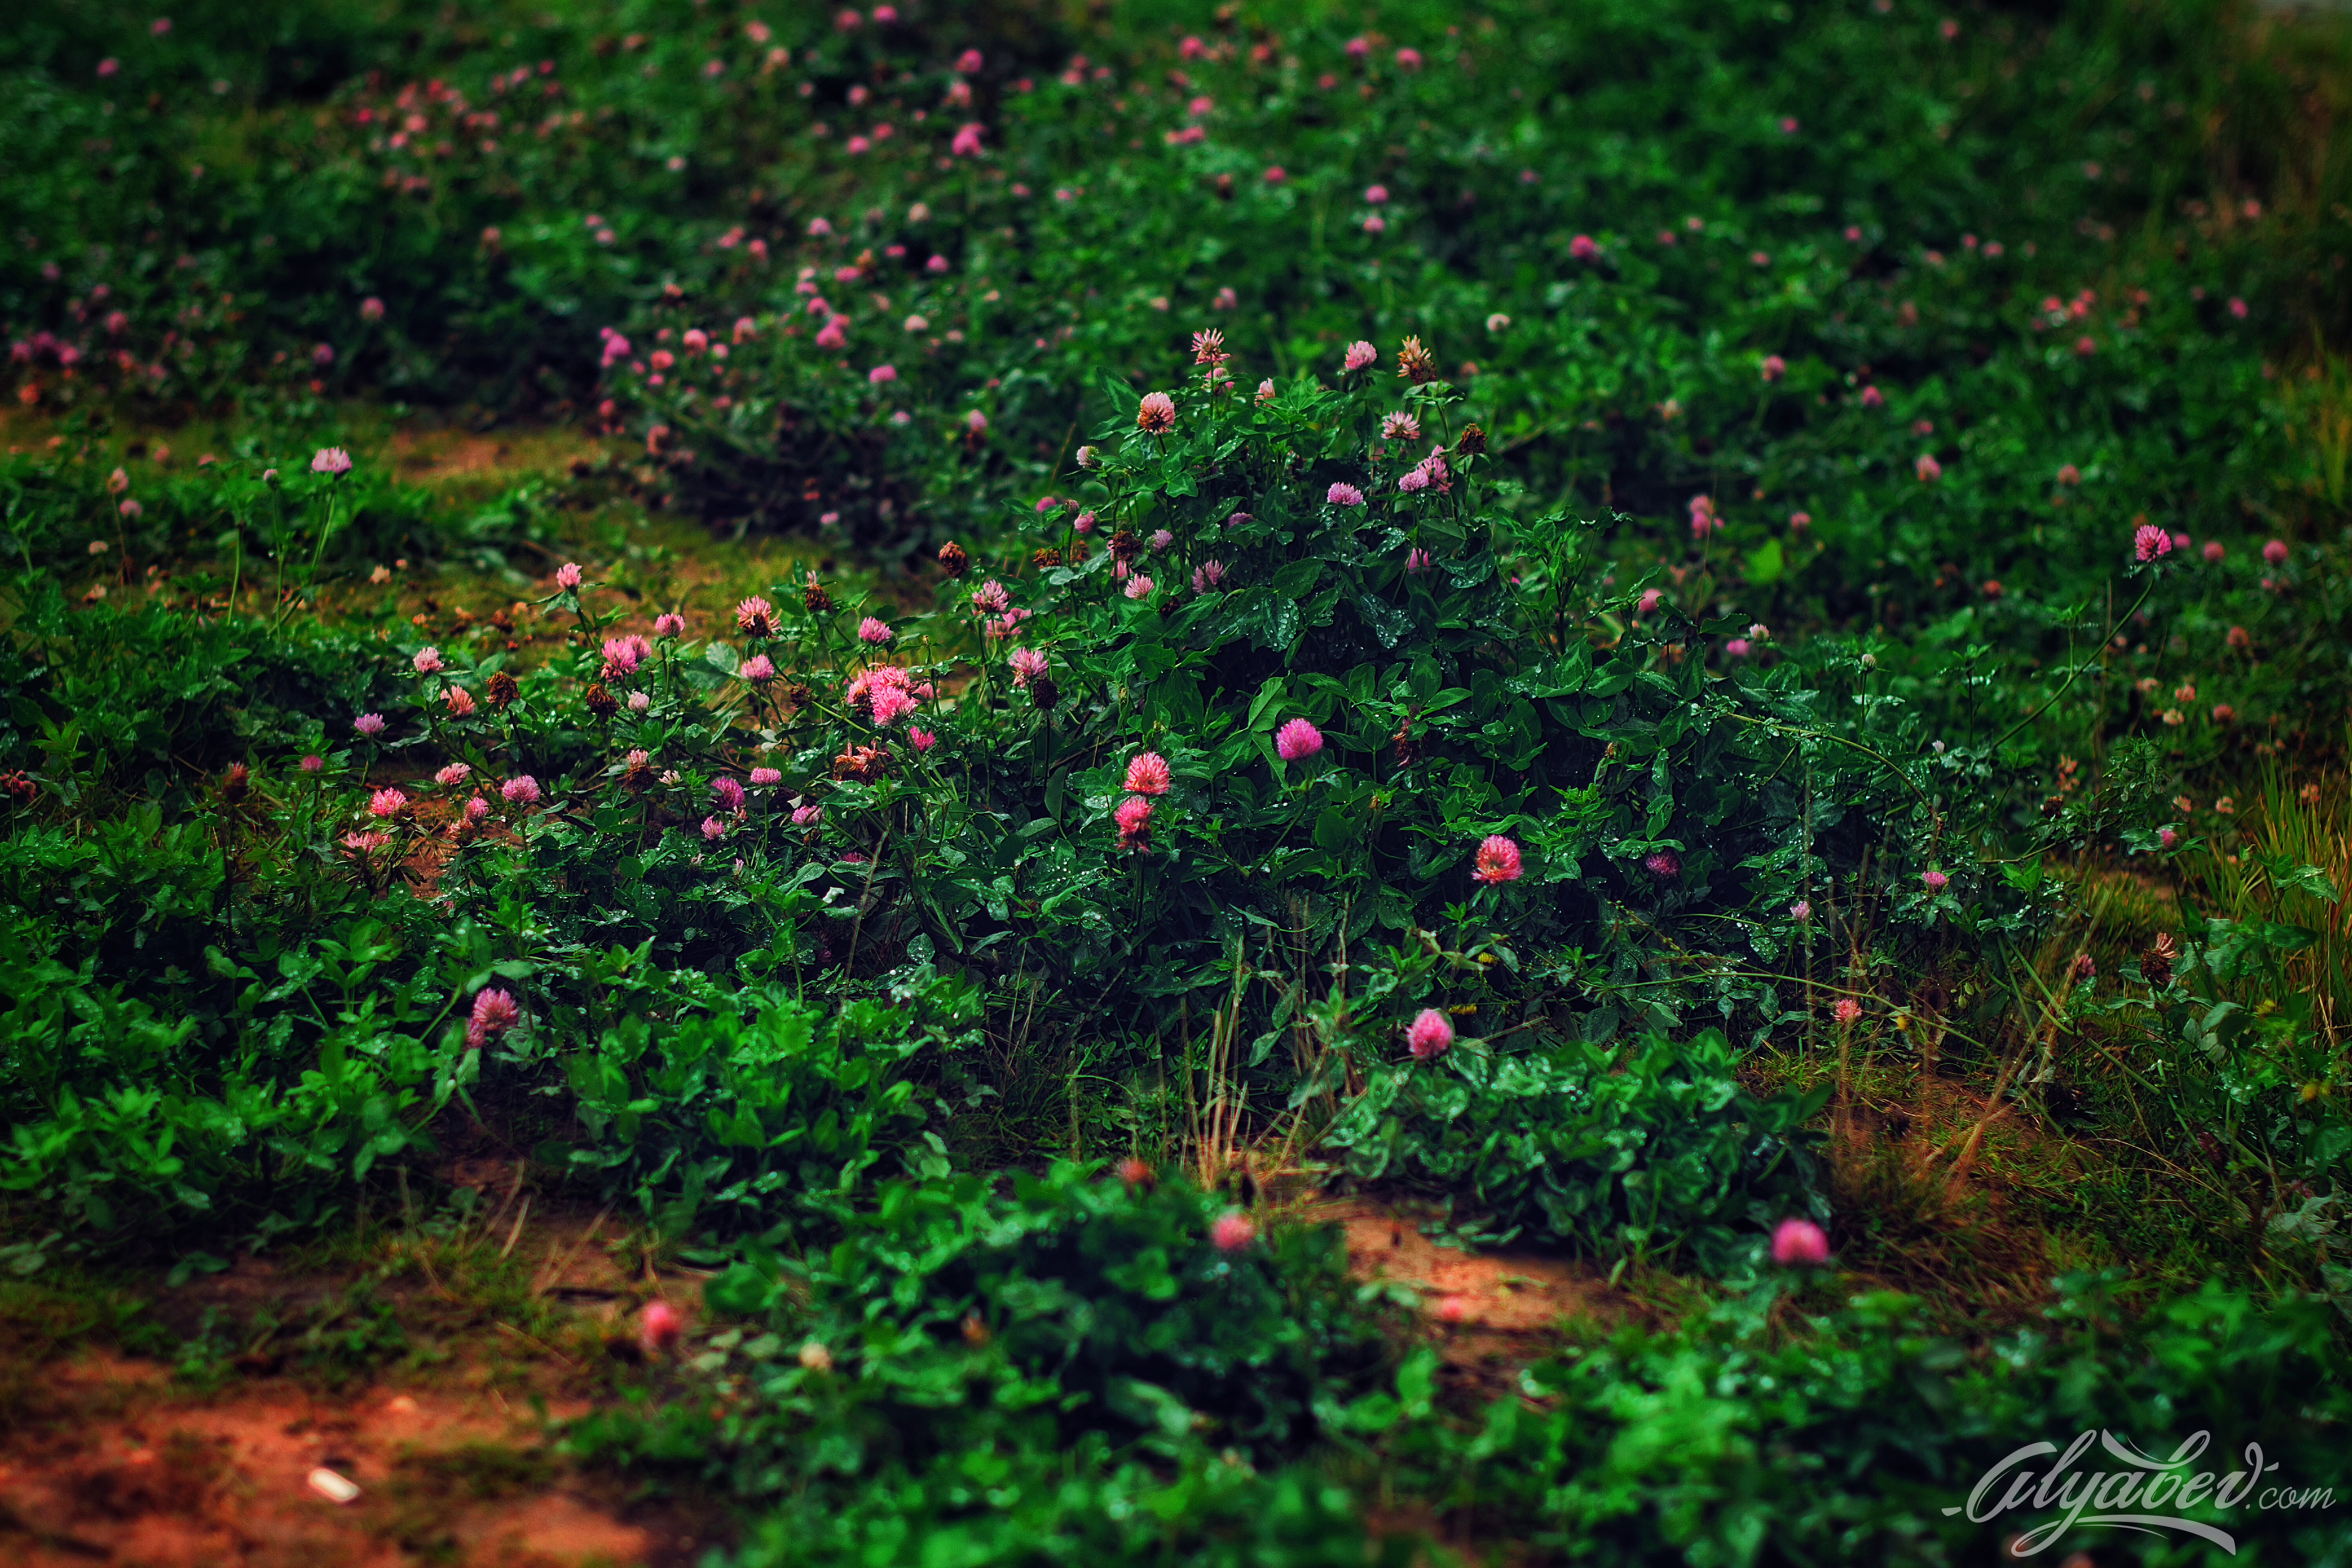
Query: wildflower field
{"points": [[1263, 784]]}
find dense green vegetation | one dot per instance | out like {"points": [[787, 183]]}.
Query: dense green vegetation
{"points": [[1708, 638]]}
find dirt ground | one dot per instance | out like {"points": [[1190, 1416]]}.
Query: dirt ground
{"points": [[443, 1455]]}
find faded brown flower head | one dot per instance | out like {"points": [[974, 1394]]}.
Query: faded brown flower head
{"points": [[235, 782], [2155, 964], [1407, 746], [863, 764], [819, 601], [1045, 693], [1124, 545], [1415, 363], [1473, 441], [1046, 559], [502, 689], [953, 560], [601, 702]]}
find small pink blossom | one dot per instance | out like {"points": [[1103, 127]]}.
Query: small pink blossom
{"points": [[807, 815], [1342, 493], [1298, 739], [1872, 398], [2151, 542], [368, 724], [1774, 367], [314, 764], [1936, 881], [758, 669], [659, 1326], [1498, 861], [427, 660], [1430, 1034], [1929, 471], [669, 624], [765, 777], [1156, 414], [568, 575], [1140, 587], [521, 790], [1028, 664], [1849, 1011], [872, 630], [387, 802], [727, 793], [1146, 774], [882, 375], [1416, 561], [713, 829], [1650, 601], [1208, 576], [1662, 865], [922, 739], [2213, 551], [640, 701], [494, 1012], [1232, 1232], [990, 598], [1360, 354], [2275, 552], [1799, 1243], [330, 460], [1134, 818], [476, 809]]}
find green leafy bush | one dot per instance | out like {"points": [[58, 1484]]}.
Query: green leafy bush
{"points": [[1650, 1150]]}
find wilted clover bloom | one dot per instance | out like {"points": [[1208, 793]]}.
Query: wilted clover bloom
{"points": [[756, 617]]}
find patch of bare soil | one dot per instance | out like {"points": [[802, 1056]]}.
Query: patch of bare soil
{"points": [[1496, 1310], [443, 1456]]}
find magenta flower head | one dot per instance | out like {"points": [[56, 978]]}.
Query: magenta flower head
{"points": [[1148, 773], [1208, 576], [1662, 864], [1430, 1034], [2213, 551], [1929, 470], [727, 793], [427, 660], [1360, 354], [1141, 587], [758, 669], [2275, 552], [1416, 561], [1775, 367], [1342, 493], [922, 739], [871, 630], [314, 764], [567, 575], [669, 626], [368, 724], [1028, 664], [1651, 599], [713, 829], [2168, 836], [1298, 739], [1872, 398], [1936, 880], [1582, 247], [807, 815], [1134, 819], [882, 373], [1233, 1232], [494, 1012], [1156, 414], [330, 460], [2151, 542], [1800, 911], [1849, 1011], [522, 790], [1498, 861], [765, 777], [371, 308], [476, 809], [453, 776], [1800, 1244], [387, 802]]}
